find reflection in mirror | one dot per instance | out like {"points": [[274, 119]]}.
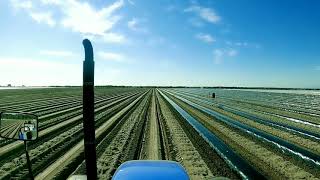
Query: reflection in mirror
{"points": [[19, 126]]}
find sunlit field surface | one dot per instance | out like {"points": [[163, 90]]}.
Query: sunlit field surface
{"points": [[237, 134]]}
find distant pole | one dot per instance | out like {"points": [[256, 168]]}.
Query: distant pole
{"points": [[88, 111]]}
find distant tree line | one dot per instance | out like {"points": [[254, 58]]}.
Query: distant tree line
{"points": [[205, 87]]}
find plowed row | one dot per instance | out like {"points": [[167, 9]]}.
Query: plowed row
{"points": [[131, 123], [140, 123]]}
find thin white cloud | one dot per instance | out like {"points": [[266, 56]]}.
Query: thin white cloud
{"points": [[206, 14], [56, 53], [131, 2], [52, 2], [78, 16], [238, 43], [113, 38], [21, 4], [109, 37], [196, 22], [110, 56], [43, 17], [38, 16], [82, 17], [205, 37], [243, 44], [220, 54], [232, 52], [134, 25]]}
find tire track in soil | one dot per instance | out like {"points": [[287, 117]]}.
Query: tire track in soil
{"points": [[150, 144]]}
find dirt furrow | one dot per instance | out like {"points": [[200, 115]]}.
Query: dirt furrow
{"points": [[124, 144], [270, 162], [61, 165], [151, 148], [309, 144], [185, 152]]}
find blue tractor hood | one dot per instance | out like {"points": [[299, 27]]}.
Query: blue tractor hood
{"points": [[150, 169]]}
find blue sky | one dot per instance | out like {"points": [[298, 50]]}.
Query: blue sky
{"points": [[141, 42]]}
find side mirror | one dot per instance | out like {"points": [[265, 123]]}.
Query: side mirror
{"points": [[18, 126]]}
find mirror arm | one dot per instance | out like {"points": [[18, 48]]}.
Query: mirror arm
{"points": [[28, 161]]}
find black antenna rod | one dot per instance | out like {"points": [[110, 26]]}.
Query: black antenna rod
{"points": [[88, 111]]}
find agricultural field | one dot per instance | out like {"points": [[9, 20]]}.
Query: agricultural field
{"points": [[238, 134]]}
